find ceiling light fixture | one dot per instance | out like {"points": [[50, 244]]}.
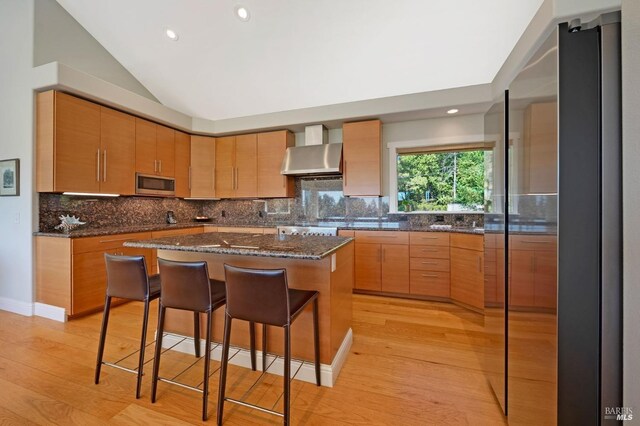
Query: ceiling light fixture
{"points": [[171, 34], [242, 13], [452, 111]]}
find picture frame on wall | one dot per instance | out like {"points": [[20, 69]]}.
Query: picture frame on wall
{"points": [[9, 177]]}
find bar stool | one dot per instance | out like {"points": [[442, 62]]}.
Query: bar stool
{"points": [[263, 296], [127, 279], [187, 286]]}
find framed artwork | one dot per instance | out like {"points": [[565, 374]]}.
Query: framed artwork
{"points": [[9, 177]]}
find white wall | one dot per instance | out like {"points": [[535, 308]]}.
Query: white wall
{"points": [[16, 141], [631, 200], [59, 37]]}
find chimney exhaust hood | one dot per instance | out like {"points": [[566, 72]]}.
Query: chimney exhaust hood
{"points": [[316, 157]]}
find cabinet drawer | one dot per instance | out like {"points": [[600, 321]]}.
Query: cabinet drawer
{"points": [[468, 241], [430, 283], [241, 230], [346, 233], [269, 231], [429, 238], [382, 237], [208, 228], [441, 265], [534, 242], [433, 252], [106, 242], [174, 232]]}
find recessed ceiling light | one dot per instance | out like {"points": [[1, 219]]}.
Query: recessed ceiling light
{"points": [[452, 111], [171, 34], [242, 13]]}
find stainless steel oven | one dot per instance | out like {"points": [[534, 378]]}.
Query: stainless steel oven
{"points": [[155, 185]]}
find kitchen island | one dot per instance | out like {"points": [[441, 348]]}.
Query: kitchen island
{"points": [[321, 263]]}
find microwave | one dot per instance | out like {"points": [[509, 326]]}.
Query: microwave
{"points": [[155, 185]]}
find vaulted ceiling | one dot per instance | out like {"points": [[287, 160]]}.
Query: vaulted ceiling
{"points": [[294, 54]]}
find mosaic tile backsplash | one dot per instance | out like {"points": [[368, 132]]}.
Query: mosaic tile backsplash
{"points": [[317, 200]]}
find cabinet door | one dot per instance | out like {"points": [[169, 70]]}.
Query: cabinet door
{"points": [[165, 151], [146, 253], [521, 286], [182, 164], [203, 152], [541, 145], [146, 160], [545, 279], [395, 268], [467, 277], [246, 163], [361, 158], [118, 140], [225, 167], [77, 145], [368, 266], [89, 282], [271, 150]]}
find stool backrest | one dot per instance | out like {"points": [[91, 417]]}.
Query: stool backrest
{"points": [[127, 277], [259, 295], [184, 285]]}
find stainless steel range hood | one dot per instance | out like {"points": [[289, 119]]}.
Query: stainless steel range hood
{"points": [[316, 157]]}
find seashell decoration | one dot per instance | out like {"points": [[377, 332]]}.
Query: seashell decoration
{"points": [[69, 223]]}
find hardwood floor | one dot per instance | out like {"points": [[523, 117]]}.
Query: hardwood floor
{"points": [[412, 362]]}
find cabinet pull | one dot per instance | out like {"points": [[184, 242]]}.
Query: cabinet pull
{"points": [[429, 275], [104, 172], [213, 179], [383, 255], [344, 173], [159, 166], [431, 250], [189, 177], [98, 166], [429, 238], [535, 242], [429, 263], [237, 172], [233, 178], [155, 166], [479, 264]]}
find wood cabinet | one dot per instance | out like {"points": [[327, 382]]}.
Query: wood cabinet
{"points": [[540, 143], [153, 264], [203, 153], [183, 164], [236, 166], [494, 270], [71, 273], [361, 158], [429, 264], [533, 278], [382, 261], [271, 150], [467, 270], [82, 146], [155, 149]]}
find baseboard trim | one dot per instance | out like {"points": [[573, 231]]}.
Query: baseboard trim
{"points": [[328, 373], [16, 306], [51, 312]]}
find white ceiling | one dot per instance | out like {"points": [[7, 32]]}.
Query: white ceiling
{"points": [[296, 54]]}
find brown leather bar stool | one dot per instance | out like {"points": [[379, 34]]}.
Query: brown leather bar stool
{"points": [[127, 279], [263, 296], [187, 286]]}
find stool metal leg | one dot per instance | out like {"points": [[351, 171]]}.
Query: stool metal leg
{"points": [[287, 373], [143, 341], [103, 336], [252, 344], [156, 361], [225, 362], [207, 363], [196, 333], [264, 347], [316, 340]]}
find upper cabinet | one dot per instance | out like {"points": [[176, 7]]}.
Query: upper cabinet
{"points": [[202, 171], [183, 164], [361, 158], [236, 164], [541, 148], [155, 149], [271, 150], [83, 147]]}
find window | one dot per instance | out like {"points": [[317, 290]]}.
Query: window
{"points": [[451, 180]]}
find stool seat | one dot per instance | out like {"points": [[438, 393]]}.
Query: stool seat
{"points": [[299, 299]]}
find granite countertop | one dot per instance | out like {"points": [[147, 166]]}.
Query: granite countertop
{"points": [[363, 226], [269, 245]]}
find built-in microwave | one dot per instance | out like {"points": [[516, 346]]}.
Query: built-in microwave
{"points": [[155, 185]]}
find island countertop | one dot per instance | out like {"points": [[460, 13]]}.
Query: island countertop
{"points": [[282, 246]]}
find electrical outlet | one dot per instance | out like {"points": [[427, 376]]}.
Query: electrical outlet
{"points": [[439, 218], [224, 214]]}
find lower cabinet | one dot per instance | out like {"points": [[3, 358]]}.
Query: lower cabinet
{"points": [[467, 270], [533, 278], [382, 261]]}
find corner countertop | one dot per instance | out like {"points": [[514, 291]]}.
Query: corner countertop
{"points": [[265, 245]]}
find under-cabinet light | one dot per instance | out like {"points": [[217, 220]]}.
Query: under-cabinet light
{"points": [[89, 194]]}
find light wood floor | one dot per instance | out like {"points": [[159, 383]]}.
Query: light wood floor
{"points": [[411, 363]]}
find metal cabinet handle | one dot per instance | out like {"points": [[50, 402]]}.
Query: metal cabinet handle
{"points": [[155, 166], [213, 179], [98, 166], [430, 250], [233, 178], [159, 166], [104, 172], [479, 264], [189, 177], [237, 177], [344, 173], [429, 275], [429, 263]]}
